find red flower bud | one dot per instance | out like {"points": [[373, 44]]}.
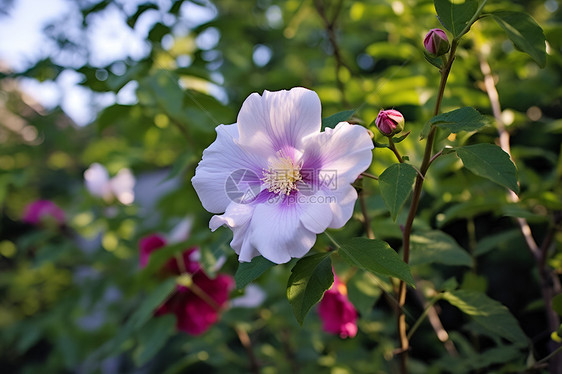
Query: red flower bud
{"points": [[390, 122], [436, 42]]}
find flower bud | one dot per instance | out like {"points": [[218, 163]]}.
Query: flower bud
{"points": [[436, 42], [390, 122]]}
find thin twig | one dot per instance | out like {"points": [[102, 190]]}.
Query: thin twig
{"points": [[330, 26], [549, 282], [366, 221], [392, 147], [404, 344], [368, 175], [247, 344], [431, 312]]}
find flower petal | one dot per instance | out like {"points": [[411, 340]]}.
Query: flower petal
{"points": [[278, 234], [224, 157], [346, 149], [342, 207], [237, 218], [279, 119], [316, 211]]}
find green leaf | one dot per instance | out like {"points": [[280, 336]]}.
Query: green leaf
{"points": [[435, 61], [455, 17], [490, 161], [398, 139], [158, 258], [310, 278], [250, 271], [377, 257], [137, 320], [525, 33], [156, 297], [152, 338], [463, 119], [557, 304], [502, 239], [395, 185], [488, 313], [363, 291], [334, 119], [438, 247]]}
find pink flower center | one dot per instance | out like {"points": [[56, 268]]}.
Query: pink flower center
{"points": [[282, 174]]}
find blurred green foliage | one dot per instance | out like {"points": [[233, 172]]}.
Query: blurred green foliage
{"points": [[69, 295]]}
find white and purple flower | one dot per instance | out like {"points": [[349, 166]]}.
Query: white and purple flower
{"points": [[120, 187], [278, 179]]}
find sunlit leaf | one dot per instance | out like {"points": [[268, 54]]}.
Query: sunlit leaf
{"points": [[490, 161], [455, 16], [334, 119], [437, 247], [525, 33], [488, 313], [463, 119]]}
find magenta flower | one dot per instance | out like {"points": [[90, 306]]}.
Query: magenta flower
{"points": [[194, 315], [337, 313], [196, 307], [277, 178], [147, 245], [389, 122], [436, 42], [43, 210]]}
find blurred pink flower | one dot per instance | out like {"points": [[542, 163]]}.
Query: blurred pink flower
{"points": [[196, 307], [277, 178], [337, 313], [147, 245], [41, 210]]}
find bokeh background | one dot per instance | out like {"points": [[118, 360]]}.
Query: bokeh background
{"points": [[142, 85]]}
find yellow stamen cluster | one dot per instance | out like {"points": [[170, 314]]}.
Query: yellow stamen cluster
{"points": [[282, 175]]}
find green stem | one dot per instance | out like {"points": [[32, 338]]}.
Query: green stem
{"points": [[545, 359], [338, 246], [392, 147], [471, 21], [369, 175], [404, 340], [422, 317]]}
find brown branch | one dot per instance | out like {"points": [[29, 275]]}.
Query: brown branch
{"points": [[366, 221], [436, 324], [330, 26], [549, 282], [247, 344], [404, 344]]}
